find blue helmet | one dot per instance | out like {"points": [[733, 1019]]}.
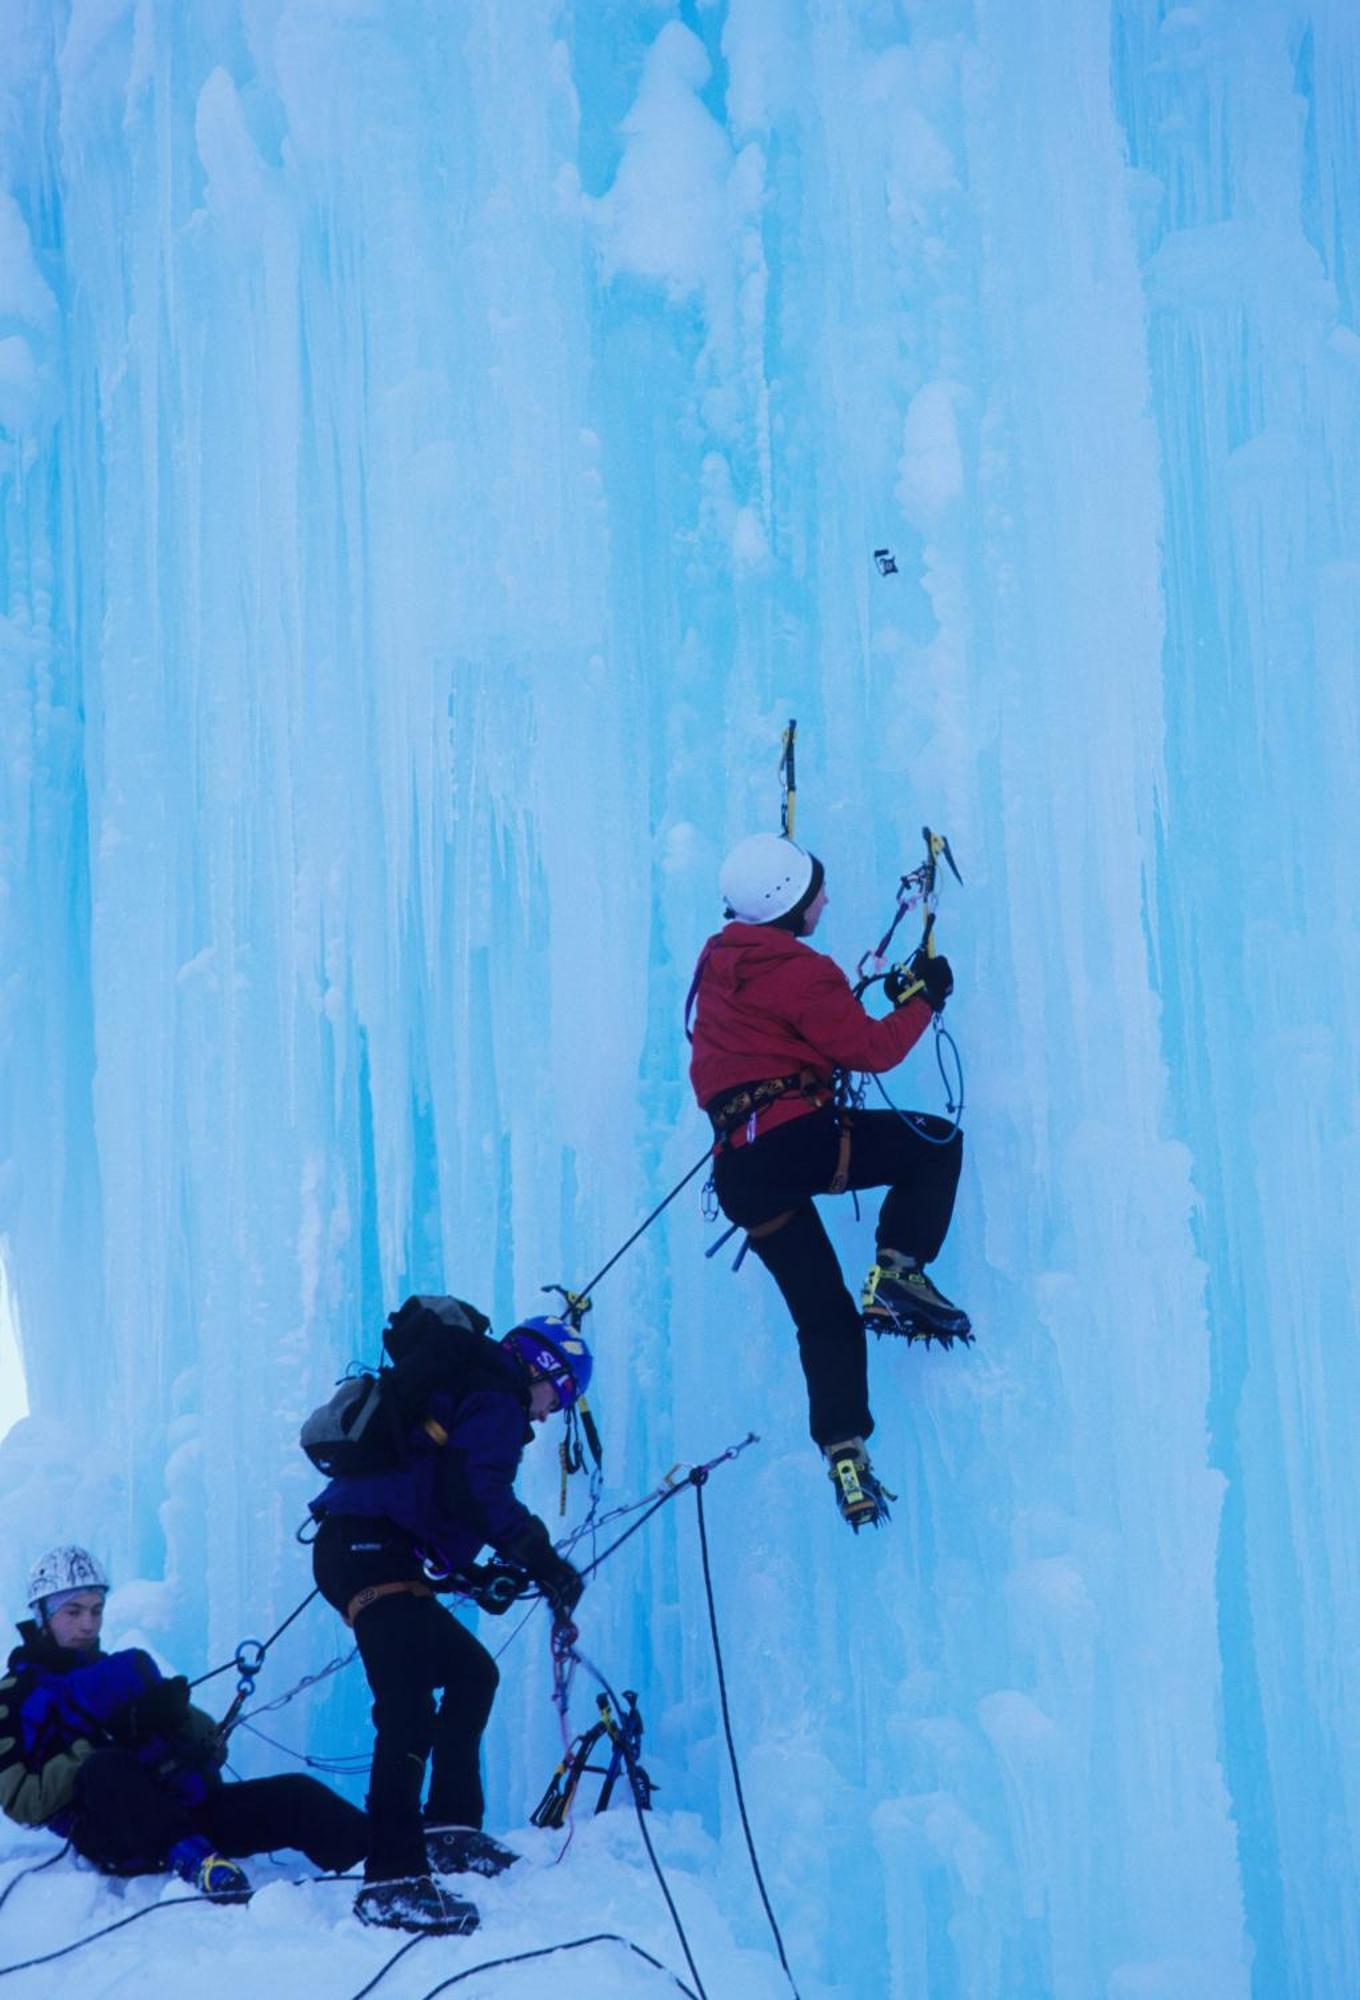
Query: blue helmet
{"points": [[554, 1349]]}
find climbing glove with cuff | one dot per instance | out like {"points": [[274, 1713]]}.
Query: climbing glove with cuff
{"points": [[561, 1583], [929, 978], [159, 1710]]}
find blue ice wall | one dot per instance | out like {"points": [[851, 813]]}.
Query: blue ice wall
{"points": [[439, 447]]}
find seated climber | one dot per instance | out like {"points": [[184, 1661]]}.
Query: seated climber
{"points": [[106, 1751]]}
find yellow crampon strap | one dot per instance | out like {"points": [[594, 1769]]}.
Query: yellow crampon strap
{"points": [[788, 779]]}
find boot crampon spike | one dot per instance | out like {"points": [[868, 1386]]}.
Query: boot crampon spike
{"points": [[860, 1494], [466, 1850], [415, 1903], [899, 1297]]}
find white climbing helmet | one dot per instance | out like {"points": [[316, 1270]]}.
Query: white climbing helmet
{"points": [[61, 1570], [764, 876]]}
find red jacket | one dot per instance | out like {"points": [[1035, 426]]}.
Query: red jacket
{"points": [[766, 1004]]}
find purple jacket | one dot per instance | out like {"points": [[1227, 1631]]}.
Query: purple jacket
{"points": [[58, 1705], [451, 1498]]}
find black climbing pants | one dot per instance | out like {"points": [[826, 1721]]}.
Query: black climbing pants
{"points": [[126, 1819], [411, 1648], [782, 1171]]}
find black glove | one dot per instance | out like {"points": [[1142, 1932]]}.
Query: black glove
{"points": [[159, 1710], [560, 1581], [929, 977]]}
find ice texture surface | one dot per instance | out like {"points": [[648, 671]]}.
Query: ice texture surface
{"points": [[439, 448]]}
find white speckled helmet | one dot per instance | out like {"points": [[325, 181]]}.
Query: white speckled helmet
{"points": [[765, 876], [63, 1571]]}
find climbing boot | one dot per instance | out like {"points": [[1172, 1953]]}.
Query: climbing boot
{"points": [[899, 1297], [415, 1903], [860, 1495], [466, 1850], [209, 1872]]}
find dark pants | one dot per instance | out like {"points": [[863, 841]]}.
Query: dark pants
{"points": [[783, 1170], [126, 1819], [410, 1646]]}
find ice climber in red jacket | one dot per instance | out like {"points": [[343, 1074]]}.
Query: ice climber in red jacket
{"points": [[773, 1021]]}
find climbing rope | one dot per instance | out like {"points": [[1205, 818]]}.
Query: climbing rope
{"points": [[643, 1227], [151, 1910], [523, 1958], [953, 1103], [249, 1656], [698, 1477], [630, 1760], [383, 1970], [34, 1868]]}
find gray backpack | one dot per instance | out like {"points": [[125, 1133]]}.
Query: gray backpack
{"points": [[354, 1432]]}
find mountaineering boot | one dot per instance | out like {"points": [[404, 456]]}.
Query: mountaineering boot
{"points": [[466, 1850], [861, 1497], [196, 1862], [415, 1903], [898, 1297]]}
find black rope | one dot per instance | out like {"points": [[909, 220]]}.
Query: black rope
{"points": [[34, 1868], [697, 1479], [151, 1910], [264, 1645], [383, 1970], [546, 1951], [652, 1502], [631, 1761], [953, 1105], [642, 1227], [334, 1767], [628, 1533]]}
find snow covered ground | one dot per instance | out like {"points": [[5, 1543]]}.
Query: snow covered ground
{"points": [[298, 1937]]}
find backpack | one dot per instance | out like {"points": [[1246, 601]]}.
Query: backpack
{"points": [[353, 1431], [434, 1343]]}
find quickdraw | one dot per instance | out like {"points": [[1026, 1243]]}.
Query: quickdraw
{"points": [[578, 1422], [248, 1662], [624, 1736]]}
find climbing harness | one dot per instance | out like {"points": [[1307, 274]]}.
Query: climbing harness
{"points": [[740, 1107], [624, 1736]]}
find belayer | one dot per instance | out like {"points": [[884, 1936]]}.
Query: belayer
{"points": [[773, 1022], [102, 1749], [454, 1415]]}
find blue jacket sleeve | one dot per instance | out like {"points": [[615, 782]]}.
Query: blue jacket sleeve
{"points": [[487, 1433], [49, 1724], [61, 1707]]}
